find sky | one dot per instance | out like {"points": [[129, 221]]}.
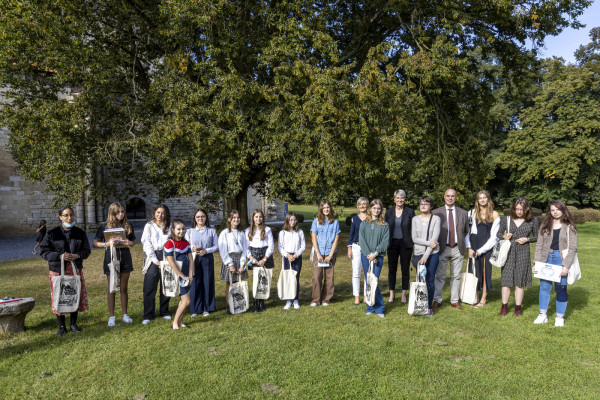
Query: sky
{"points": [[565, 44]]}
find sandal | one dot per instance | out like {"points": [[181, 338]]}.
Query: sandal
{"points": [[479, 305]]}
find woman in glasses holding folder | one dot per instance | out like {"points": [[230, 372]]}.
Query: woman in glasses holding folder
{"points": [[557, 236], [117, 218]]}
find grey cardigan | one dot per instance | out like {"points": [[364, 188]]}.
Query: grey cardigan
{"points": [[542, 247], [419, 235]]}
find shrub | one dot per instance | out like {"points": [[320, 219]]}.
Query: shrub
{"points": [[590, 215], [578, 216]]}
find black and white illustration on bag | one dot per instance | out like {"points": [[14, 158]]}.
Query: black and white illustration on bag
{"points": [[170, 282], [69, 296]]}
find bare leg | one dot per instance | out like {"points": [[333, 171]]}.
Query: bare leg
{"points": [[356, 299], [519, 294], [505, 294], [483, 287], [392, 296], [123, 292], [184, 302], [110, 298], [403, 298]]}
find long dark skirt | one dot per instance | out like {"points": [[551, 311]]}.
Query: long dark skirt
{"points": [[202, 291]]}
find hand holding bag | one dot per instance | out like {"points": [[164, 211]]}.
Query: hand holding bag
{"points": [[66, 289], [169, 279], [261, 282], [500, 250], [286, 284], [238, 296], [114, 266], [372, 281], [417, 297], [574, 271], [468, 284]]}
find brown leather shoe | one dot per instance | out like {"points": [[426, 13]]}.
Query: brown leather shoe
{"points": [[456, 305], [518, 311], [503, 309], [436, 304]]}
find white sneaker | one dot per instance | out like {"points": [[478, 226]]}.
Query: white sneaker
{"points": [[296, 305], [369, 313], [167, 317], [111, 321], [127, 319], [325, 304], [194, 315], [559, 321], [541, 319], [381, 315], [288, 305], [145, 322], [205, 314], [313, 304]]}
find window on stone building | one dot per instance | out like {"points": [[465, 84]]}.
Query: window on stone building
{"points": [[136, 208]]}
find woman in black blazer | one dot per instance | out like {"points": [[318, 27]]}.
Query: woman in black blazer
{"points": [[399, 218], [71, 242]]}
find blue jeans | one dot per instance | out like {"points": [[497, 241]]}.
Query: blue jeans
{"points": [[560, 288], [379, 306], [431, 265]]}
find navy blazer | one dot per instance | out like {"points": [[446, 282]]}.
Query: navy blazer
{"points": [[407, 216], [55, 243]]}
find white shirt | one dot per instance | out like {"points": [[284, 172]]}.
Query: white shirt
{"points": [[491, 242], [257, 243], [205, 238], [291, 242], [232, 242], [153, 239], [467, 238]]}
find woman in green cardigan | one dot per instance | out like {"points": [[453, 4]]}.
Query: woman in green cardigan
{"points": [[373, 239]]}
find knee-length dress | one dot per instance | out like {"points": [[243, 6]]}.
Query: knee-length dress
{"points": [[517, 269]]}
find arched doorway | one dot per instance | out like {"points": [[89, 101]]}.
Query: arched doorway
{"points": [[136, 208]]}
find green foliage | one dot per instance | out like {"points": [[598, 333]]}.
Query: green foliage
{"points": [[324, 99]]}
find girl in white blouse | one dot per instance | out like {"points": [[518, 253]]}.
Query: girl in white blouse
{"points": [[291, 246], [232, 248], [259, 248], [156, 233], [204, 242]]}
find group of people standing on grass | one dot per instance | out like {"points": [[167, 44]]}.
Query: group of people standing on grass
{"points": [[434, 240]]}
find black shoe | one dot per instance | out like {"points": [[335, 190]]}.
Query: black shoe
{"points": [[261, 306], [255, 306], [61, 331], [75, 328], [228, 310]]}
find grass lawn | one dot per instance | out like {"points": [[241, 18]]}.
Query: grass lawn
{"points": [[315, 353]]}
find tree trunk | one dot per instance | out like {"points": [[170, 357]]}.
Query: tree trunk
{"points": [[238, 202]]}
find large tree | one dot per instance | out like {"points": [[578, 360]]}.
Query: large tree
{"points": [[327, 99]]}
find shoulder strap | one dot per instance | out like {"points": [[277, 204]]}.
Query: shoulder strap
{"points": [[428, 225]]}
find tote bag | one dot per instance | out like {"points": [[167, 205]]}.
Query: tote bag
{"points": [[417, 298], [500, 250], [261, 283], [575, 271], [372, 281], [238, 296], [286, 284], [169, 279], [468, 284], [114, 266], [66, 289]]}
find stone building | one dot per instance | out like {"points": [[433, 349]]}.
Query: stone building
{"points": [[23, 203]]}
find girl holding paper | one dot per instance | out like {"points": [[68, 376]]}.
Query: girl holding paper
{"points": [[557, 245], [325, 233]]}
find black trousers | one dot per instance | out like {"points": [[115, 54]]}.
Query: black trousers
{"points": [[151, 283], [398, 251]]}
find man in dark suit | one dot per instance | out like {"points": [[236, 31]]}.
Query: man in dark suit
{"points": [[399, 219], [454, 240]]}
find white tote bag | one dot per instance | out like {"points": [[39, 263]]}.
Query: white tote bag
{"points": [[468, 284], [286, 284], [114, 266], [66, 289], [261, 282], [417, 298], [574, 271], [372, 281], [169, 279], [238, 296], [501, 249]]}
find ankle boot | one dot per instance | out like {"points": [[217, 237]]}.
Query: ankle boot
{"points": [[62, 329], [518, 311], [74, 327], [261, 305], [255, 306], [504, 309]]}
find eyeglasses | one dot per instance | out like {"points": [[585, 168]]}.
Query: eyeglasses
{"points": [[424, 204]]}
